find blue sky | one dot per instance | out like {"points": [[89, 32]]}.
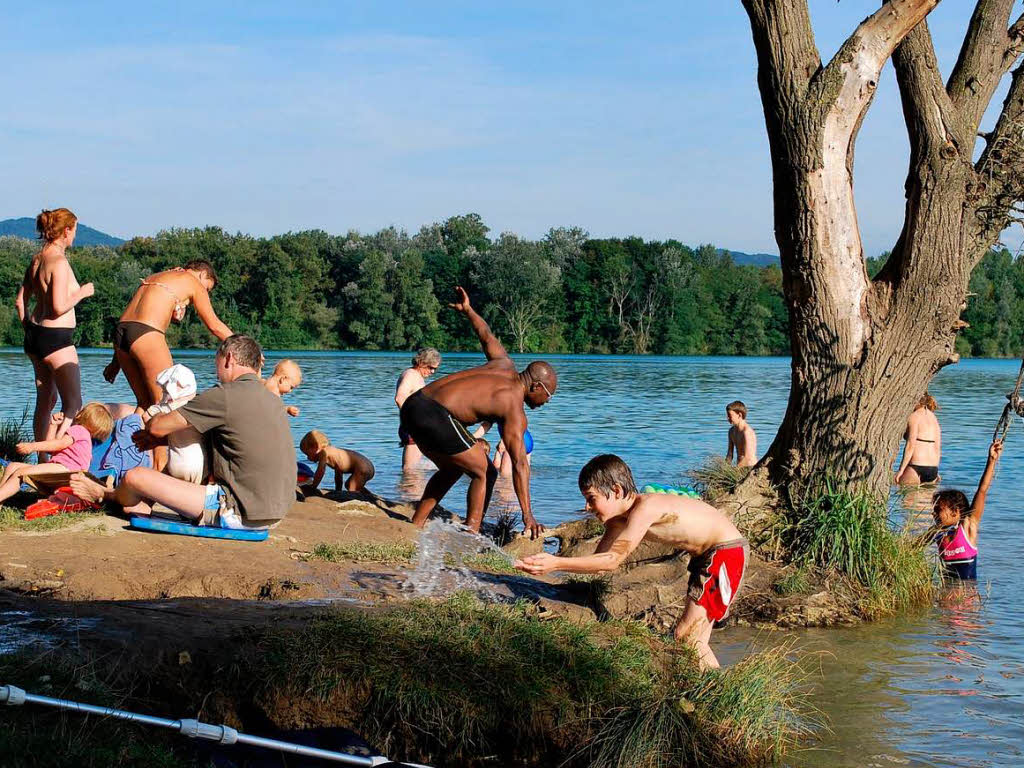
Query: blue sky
{"points": [[639, 118]]}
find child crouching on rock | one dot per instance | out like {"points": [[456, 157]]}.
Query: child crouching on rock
{"points": [[718, 553], [70, 453], [318, 448], [958, 522]]}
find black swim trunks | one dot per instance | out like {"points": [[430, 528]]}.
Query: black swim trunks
{"points": [[926, 473], [433, 428], [128, 332], [42, 341]]}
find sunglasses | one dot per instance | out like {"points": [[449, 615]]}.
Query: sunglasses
{"points": [[546, 389]]}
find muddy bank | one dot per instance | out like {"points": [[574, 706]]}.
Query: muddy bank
{"points": [[98, 558]]}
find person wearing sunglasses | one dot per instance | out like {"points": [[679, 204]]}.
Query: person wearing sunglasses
{"points": [[436, 417]]}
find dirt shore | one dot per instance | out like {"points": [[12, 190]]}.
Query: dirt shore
{"points": [[98, 558]]}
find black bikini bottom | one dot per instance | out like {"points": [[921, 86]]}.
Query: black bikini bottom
{"points": [[129, 331], [42, 341], [925, 472]]}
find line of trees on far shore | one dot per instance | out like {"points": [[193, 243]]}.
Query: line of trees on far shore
{"points": [[566, 292]]}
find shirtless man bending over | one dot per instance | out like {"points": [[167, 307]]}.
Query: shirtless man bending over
{"points": [[436, 418]]}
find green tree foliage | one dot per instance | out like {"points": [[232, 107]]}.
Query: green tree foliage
{"points": [[566, 292]]}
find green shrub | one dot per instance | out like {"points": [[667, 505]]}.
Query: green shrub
{"points": [[848, 533], [716, 477]]}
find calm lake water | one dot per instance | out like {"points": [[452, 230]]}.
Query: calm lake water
{"points": [[944, 687]]}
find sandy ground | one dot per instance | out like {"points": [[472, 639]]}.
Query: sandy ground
{"points": [[100, 559]]}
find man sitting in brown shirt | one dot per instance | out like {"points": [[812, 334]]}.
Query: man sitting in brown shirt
{"points": [[251, 447]]}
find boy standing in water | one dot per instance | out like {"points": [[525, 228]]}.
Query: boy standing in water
{"points": [[741, 435], [718, 553]]}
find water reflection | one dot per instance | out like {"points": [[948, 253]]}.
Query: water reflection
{"points": [[941, 688]]}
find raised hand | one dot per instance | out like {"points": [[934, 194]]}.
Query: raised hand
{"points": [[461, 303]]}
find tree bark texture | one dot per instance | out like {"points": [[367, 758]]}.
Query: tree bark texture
{"points": [[865, 350]]}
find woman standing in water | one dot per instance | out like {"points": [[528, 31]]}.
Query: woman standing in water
{"points": [[50, 324], [923, 448], [140, 346]]}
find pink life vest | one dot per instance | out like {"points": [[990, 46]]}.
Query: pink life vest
{"points": [[954, 547]]}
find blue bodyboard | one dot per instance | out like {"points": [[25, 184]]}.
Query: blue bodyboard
{"points": [[156, 525]]}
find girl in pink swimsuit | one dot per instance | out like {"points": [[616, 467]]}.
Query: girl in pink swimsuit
{"points": [[958, 523]]}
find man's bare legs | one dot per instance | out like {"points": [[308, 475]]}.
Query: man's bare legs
{"points": [[693, 627], [142, 487], [473, 462], [437, 486]]}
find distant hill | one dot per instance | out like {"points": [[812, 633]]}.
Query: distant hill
{"points": [[754, 259], [26, 227]]}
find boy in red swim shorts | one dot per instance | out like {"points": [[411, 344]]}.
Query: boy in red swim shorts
{"points": [[718, 553]]}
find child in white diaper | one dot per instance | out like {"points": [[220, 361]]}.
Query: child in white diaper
{"points": [[186, 459]]}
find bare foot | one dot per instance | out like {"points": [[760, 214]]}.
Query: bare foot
{"points": [[86, 489]]}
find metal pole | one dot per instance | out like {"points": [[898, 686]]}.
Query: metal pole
{"points": [[13, 696]]}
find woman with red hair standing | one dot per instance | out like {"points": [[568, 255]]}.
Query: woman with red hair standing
{"points": [[50, 324]]}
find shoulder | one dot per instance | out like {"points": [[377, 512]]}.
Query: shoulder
{"points": [[79, 433]]}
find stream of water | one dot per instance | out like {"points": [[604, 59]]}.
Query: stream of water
{"points": [[944, 687]]}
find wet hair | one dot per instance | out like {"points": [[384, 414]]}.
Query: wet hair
{"points": [[245, 349], [203, 267], [953, 500], [51, 224], [96, 419], [603, 472], [737, 406], [313, 441], [428, 357], [289, 363], [539, 371], [927, 401]]}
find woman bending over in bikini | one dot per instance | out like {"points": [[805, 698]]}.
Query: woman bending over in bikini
{"points": [[50, 322], [140, 347]]}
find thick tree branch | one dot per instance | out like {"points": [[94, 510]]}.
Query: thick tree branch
{"points": [[849, 80], [787, 56], [982, 61], [933, 130], [927, 108], [1001, 165]]}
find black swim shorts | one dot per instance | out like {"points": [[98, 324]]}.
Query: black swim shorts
{"points": [[43, 340], [433, 428]]}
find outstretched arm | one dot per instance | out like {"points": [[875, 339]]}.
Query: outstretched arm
{"points": [[491, 346], [204, 309], [978, 505], [512, 435], [618, 543]]}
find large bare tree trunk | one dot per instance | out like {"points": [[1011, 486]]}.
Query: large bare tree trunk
{"points": [[865, 350]]}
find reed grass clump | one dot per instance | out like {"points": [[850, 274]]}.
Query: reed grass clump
{"points": [[716, 477], [12, 432], [457, 680], [848, 533]]}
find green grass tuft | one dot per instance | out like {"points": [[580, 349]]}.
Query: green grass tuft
{"points": [[12, 432], [12, 519], [488, 561], [365, 552], [848, 533], [716, 477], [456, 678], [795, 581]]}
